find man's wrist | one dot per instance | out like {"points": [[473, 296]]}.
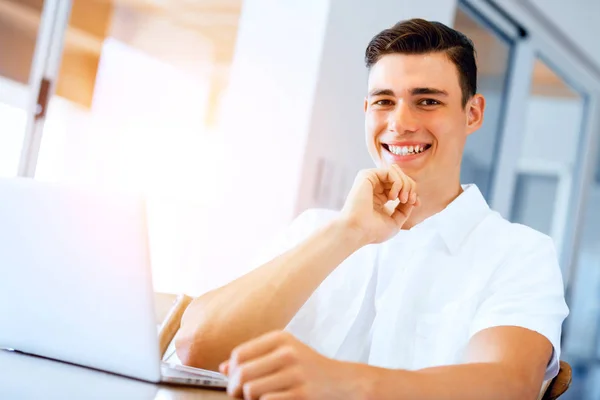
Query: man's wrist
{"points": [[384, 383], [366, 382], [349, 232]]}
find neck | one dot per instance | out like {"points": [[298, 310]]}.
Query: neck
{"points": [[434, 197]]}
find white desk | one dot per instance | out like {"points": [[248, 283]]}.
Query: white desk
{"points": [[26, 377]]}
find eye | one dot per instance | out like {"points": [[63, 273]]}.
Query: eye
{"points": [[383, 102], [429, 102]]}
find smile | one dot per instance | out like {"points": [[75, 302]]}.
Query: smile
{"points": [[406, 150]]}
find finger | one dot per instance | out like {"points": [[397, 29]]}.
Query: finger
{"points": [[401, 178], [413, 198], [256, 369], [277, 382], [254, 348], [408, 187], [224, 367], [380, 199], [397, 184], [418, 202], [405, 192], [413, 190], [380, 178], [401, 213]]}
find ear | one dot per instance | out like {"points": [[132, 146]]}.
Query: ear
{"points": [[366, 105], [475, 111]]}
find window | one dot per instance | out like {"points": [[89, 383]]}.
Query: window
{"points": [[548, 154], [493, 62], [135, 107], [19, 23]]}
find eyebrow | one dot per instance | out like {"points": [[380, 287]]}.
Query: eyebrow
{"points": [[381, 92], [427, 90], [414, 92]]}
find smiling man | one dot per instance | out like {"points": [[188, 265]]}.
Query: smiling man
{"points": [[416, 289]]}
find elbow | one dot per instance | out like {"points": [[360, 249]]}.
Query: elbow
{"points": [[184, 347], [195, 351], [197, 343]]}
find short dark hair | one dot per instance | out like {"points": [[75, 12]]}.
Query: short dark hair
{"points": [[418, 36]]}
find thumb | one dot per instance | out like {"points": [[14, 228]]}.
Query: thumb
{"points": [[401, 213]]}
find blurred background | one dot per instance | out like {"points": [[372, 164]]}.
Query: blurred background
{"points": [[233, 116]]}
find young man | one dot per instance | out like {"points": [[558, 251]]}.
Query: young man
{"points": [[416, 289]]}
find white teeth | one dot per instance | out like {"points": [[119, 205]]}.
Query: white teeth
{"points": [[406, 150]]}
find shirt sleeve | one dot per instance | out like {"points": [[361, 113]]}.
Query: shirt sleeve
{"points": [[527, 291]]}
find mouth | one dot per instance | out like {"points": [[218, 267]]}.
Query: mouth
{"points": [[403, 151]]}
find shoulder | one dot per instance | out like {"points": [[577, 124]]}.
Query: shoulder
{"points": [[518, 249], [503, 235]]}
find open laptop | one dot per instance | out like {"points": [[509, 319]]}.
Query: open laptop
{"points": [[76, 284]]}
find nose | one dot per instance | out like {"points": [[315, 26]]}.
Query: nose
{"points": [[403, 119]]}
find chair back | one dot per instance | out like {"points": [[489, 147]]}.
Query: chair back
{"points": [[557, 386], [169, 310]]}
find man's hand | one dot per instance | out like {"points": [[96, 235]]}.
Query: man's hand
{"points": [[277, 366], [366, 209]]}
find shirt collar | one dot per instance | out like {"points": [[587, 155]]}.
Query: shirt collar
{"points": [[459, 218]]}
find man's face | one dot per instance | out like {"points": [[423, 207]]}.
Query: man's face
{"points": [[414, 115]]}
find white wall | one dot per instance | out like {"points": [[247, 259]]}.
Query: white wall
{"points": [[263, 119]]}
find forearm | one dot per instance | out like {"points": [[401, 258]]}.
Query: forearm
{"points": [[488, 381], [264, 299]]}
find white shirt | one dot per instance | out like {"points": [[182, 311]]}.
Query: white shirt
{"points": [[416, 300]]}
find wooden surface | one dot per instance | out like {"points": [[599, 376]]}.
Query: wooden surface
{"points": [[171, 320], [27, 377]]}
